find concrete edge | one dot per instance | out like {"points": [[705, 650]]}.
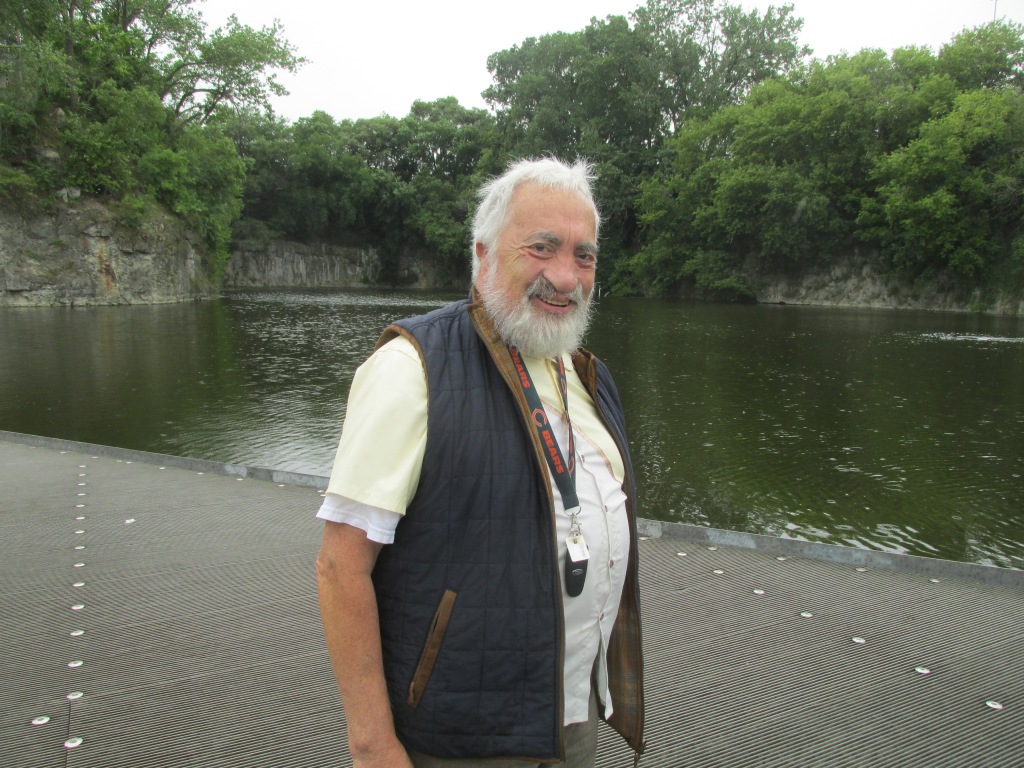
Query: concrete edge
{"points": [[166, 460], [928, 567], [924, 566]]}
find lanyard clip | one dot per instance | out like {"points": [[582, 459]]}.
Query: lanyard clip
{"points": [[574, 523]]}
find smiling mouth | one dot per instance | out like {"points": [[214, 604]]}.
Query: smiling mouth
{"points": [[545, 294], [561, 303]]}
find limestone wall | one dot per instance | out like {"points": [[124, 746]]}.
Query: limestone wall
{"points": [[853, 283], [78, 254], [283, 264]]}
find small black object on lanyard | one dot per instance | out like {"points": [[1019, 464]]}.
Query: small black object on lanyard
{"points": [[577, 555]]}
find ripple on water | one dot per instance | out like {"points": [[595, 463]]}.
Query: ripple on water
{"points": [[973, 337]]}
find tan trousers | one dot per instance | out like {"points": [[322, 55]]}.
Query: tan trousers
{"points": [[580, 750]]}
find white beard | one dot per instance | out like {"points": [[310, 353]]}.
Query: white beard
{"points": [[533, 332]]}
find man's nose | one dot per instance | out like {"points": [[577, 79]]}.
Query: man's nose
{"points": [[562, 272]]}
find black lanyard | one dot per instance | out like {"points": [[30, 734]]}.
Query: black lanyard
{"points": [[576, 553], [563, 472]]}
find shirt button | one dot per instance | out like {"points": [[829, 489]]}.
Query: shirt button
{"points": [[611, 563]]}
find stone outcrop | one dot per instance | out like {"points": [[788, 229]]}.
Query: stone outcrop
{"points": [[853, 283], [284, 264], [78, 254]]}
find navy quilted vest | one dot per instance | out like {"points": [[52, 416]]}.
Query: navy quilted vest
{"points": [[469, 594]]}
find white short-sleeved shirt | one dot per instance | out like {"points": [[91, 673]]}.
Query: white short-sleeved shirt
{"points": [[377, 469]]}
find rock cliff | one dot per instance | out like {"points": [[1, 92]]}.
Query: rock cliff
{"points": [[853, 283], [283, 264], [78, 254]]}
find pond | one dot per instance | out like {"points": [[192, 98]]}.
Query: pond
{"points": [[889, 430]]}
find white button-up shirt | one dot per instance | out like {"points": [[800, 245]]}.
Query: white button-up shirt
{"points": [[590, 616]]}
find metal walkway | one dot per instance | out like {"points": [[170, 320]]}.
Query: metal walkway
{"points": [[158, 612]]}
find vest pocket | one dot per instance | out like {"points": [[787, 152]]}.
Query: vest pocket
{"points": [[432, 648]]}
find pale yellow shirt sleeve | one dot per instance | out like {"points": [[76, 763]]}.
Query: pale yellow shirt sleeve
{"points": [[380, 453]]}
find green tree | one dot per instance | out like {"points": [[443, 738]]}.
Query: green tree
{"points": [[596, 94], [325, 193], [954, 197], [262, 141], [398, 185], [685, 243], [235, 65], [888, 152], [452, 149], [989, 56], [118, 98], [614, 91], [104, 144], [713, 53]]}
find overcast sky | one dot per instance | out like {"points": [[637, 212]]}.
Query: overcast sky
{"points": [[375, 57]]}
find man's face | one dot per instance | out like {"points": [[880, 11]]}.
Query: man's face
{"points": [[537, 286]]}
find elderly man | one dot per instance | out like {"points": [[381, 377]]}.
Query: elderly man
{"points": [[478, 572]]}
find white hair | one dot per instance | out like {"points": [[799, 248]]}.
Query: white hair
{"points": [[494, 212]]}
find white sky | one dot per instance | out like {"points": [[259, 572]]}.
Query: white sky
{"points": [[373, 57]]}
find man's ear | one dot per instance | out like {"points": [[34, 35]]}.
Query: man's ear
{"points": [[481, 265]]}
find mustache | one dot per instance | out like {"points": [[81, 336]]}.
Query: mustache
{"points": [[543, 289]]}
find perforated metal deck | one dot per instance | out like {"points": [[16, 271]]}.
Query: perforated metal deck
{"points": [[164, 614]]}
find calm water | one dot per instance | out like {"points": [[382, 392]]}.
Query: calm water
{"points": [[895, 431]]}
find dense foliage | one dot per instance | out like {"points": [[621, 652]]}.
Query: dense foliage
{"points": [[614, 92], [914, 159], [725, 154], [118, 98], [397, 185]]}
